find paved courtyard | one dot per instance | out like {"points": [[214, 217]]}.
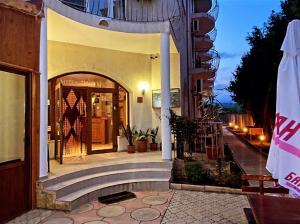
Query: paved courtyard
{"points": [[150, 208]]}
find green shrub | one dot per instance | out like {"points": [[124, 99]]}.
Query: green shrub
{"points": [[195, 173]]}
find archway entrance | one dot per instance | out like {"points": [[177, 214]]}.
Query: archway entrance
{"points": [[86, 113]]}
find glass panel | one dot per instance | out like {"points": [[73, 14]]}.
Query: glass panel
{"points": [[12, 116], [102, 121], [86, 80], [123, 107]]}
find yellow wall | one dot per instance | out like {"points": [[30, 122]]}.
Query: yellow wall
{"points": [[129, 69], [12, 116]]}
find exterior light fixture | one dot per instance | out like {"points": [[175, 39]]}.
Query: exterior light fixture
{"points": [[245, 130], [143, 86], [262, 138], [230, 124], [236, 127]]}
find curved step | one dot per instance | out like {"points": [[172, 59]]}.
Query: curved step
{"points": [[68, 191], [103, 168], [87, 194], [76, 184]]}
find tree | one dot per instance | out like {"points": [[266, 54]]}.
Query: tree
{"points": [[255, 79]]}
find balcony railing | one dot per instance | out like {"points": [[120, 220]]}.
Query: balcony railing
{"points": [[212, 13], [130, 10], [211, 35], [207, 60]]}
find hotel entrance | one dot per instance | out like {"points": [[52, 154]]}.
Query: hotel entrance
{"points": [[86, 112]]}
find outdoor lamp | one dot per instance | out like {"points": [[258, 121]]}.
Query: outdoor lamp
{"points": [[143, 86], [262, 138], [245, 130], [236, 127], [230, 124]]}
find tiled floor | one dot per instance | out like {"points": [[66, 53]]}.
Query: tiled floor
{"points": [[173, 207], [146, 208]]}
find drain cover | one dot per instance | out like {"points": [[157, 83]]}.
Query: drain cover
{"points": [[114, 198]]}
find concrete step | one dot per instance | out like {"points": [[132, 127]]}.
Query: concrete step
{"points": [[53, 180], [69, 186], [80, 197], [71, 190]]}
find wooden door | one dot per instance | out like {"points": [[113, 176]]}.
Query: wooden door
{"points": [[15, 145], [102, 120]]}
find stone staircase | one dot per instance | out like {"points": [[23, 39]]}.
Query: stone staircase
{"points": [[68, 191]]}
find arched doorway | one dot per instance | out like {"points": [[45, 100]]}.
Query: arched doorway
{"points": [[86, 111]]}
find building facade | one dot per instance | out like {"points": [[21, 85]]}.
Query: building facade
{"points": [[105, 64]]}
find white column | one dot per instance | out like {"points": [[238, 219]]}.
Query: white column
{"points": [[110, 6], [165, 96], [43, 97]]}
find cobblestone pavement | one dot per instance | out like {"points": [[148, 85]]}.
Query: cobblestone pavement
{"points": [[206, 208]]}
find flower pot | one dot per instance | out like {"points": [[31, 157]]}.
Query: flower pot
{"points": [[142, 146], [153, 146], [131, 149]]}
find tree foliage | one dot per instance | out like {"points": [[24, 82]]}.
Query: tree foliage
{"points": [[255, 79]]}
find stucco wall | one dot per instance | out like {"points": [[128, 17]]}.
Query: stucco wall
{"points": [[129, 69]]}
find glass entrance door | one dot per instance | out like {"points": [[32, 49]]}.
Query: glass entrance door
{"points": [[102, 121]]}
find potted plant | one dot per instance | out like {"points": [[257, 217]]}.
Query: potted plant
{"points": [[142, 140], [153, 134], [129, 134]]}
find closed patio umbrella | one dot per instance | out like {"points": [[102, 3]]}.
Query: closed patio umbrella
{"points": [[284, 156]]}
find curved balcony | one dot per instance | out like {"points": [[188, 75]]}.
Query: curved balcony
{"points": [[129, 10], [203, 43], [205, 64], [203, 5], [211, 56], [211, 35], [203, 23]]}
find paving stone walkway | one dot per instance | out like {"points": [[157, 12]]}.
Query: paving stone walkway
{"points": [[173, 207], [206, 208], [250, 161], [146, 208]]}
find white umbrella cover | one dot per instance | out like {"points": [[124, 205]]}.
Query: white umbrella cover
{"points": [[284, 156]]}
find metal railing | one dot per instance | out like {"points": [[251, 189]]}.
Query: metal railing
{"points": [[213, 12], [211, 36], [130, 10], [207, 60]]}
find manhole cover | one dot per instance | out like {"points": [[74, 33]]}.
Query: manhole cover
{"points": [[154, 200], [111, 211], [145, 214], [59, 221]]}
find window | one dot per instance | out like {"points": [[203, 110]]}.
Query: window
{"points": [[12, 116]]}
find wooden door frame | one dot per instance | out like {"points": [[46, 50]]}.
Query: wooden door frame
{"points": [[117, 86], [114, 92], [31, 147]]}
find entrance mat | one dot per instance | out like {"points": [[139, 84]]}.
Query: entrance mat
{"points": [[114, 198]]}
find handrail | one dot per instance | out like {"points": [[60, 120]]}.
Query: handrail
{"points": [[129, 10], [213, 12], [207, 60], [210, 35]]}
